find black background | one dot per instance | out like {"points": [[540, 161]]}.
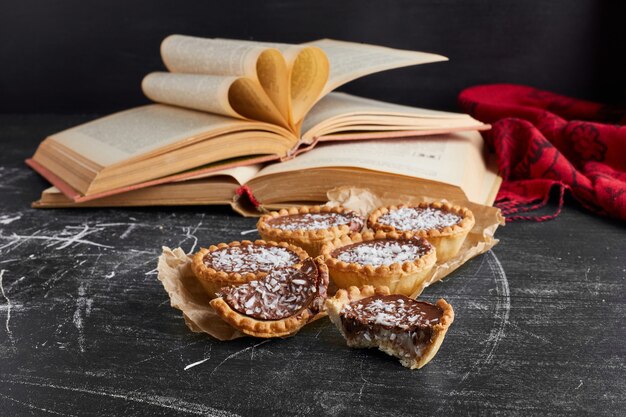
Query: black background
{"points": [[89, 57]]}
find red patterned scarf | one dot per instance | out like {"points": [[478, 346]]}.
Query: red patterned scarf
{"points": [[543, 141]]}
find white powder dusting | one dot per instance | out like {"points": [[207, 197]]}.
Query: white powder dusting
{"points": [[251, 258], [313, 221], [382, 252], [399, 314], [416, 218], [282, 293]]}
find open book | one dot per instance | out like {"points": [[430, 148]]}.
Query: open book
{"points": [[225, 104], [450, 166]]}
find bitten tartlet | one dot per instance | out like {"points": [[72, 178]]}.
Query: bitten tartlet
{"points": [[309, 227], [444, 225], [277, 305], [236, 263], [400, 261], [408, 329]]}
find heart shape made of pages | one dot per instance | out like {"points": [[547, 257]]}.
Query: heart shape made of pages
{"points": [[274, 83]]}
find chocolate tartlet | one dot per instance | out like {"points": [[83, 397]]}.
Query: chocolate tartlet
{"points": [[399, 261], [239, 262], [408, 329], [277, 305], [309, 227], [444, 225]]}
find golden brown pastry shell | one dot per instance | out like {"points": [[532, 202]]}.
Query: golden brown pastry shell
{"points": [[401, 278], [212, 280], [309, 240], [447, 241], [343, 297], [270, 328]]}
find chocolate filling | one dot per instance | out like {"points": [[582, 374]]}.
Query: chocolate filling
{"points": [[405, 322], [318, 221], [419, 218], [250, 258], [282, 293], [391, 312], [383, 251]]}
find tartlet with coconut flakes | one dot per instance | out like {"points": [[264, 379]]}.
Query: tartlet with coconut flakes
{"points": [[408, 329], [236, 263], [399, 261], [444, 225], [309, 227], [277, 305]]}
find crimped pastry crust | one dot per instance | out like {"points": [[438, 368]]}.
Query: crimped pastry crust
{"points": [[271, 328], [310, 240], [447, 240], [401, 278], [212, 280], [343, 297]]}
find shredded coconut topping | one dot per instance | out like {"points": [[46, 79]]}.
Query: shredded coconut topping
{"points": [[417, 218], [316, 221], [282, 293], [397, 312], [250, 258], [382, 252]]}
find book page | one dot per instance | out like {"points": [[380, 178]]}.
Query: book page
{"points": [[201, 92], [241, 174], [133, 132], [454, 159], [193, 55], [340, 112], [350, 60]]}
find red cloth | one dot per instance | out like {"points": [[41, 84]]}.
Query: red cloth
{"points": [[543, 140]]}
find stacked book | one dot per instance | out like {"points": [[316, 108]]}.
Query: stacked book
{"points": [[258, 126]]}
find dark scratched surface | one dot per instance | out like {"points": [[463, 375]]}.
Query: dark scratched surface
{"points": [[86, 328]]}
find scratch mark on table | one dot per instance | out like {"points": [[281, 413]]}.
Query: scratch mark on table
{"points": [[229, 357], [501, 313], [591, 291], [529, 333], [246, 232], [9, 306], [6, 261], [503, 304], [83, 305], [160, 355], [170, 403], [34, 407], [128, 231], [6, 219], [365, 381], [190, 234], [59, 239], [322, 328], [191, 365]]}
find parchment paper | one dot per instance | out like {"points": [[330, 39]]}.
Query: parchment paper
{"points": [[186, 294]]}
